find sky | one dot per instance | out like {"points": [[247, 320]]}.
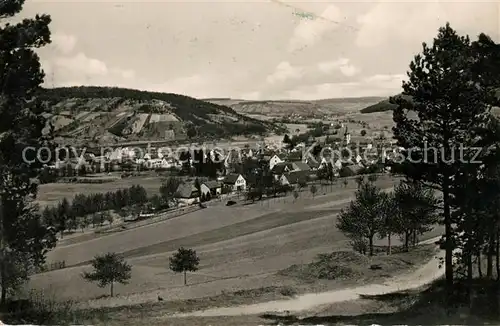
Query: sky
{"points": [[256, 50]]}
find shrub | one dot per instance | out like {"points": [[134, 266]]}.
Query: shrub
{"points": [[288, 291], [39, 309]]}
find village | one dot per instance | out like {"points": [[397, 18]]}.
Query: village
{"points": [[210, 172]]}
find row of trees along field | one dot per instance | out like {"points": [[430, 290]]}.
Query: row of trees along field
{"points": [[94, 209], [69, 216], [111, 268]]}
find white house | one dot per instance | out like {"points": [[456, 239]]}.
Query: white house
{"points": [[235, 182], [274, 160]]}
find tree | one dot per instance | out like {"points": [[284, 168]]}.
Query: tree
{"points": [[24, 237], [191, 132], [363, 132], [156, 202], [372, 177], [197, 185], [362, 219], [83, 223], [168, 188], [390, 218], [417, 209], [255, 193], [288, 141], [295, 195], [449, 99], [359, 180], [184, 260], [313, 190], [302, 184], [108, 270]]}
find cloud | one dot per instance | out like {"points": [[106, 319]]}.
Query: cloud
{"points": [[412, 23], [79, 69], [193, 85], [385, 81], [283, 72], [63, 67], [253, 96], [63, 43], [200, 85], [376, 85], [81, 64], [343, 65], [287, 76], [310, 31]]}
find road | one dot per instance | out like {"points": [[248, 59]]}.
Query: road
{"points": [[424, 275]]}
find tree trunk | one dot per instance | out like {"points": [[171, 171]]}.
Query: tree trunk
{"points": [[407, 240], [3, 299], [185, 278], [491, 250], [479, 269], [389, 243], [3, 272], [111, 289], [469, 277], [498, 254], [448, 261], [371, 244]]}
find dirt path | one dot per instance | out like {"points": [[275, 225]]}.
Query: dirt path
{"points": [[424, 275]]}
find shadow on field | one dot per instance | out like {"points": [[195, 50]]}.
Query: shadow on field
{"points": [[416, 307]]}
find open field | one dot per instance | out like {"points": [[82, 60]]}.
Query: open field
{"points": [[241, 248], [52, 193], [178, 311]]}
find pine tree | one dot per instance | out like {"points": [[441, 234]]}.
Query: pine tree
{"points": [[449, 103], [24, 237]]}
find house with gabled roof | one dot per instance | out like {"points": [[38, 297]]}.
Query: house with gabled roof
{"points": [[282, 167], [301, 166], [187, 193], [275, 159], [313, 164], [235, 182], [210, 188], [350, 170], [294, 177]]}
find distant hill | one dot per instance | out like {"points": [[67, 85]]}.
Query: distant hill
{"points": [[382, 106], [110, 115], [297, 107]]}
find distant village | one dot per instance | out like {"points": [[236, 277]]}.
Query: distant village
{"points": [[236, 171]]}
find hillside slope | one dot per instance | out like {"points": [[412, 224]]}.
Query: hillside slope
{"points": [[382, 106], [110, 115]]}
